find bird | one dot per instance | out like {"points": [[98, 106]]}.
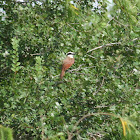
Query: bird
{"points": [[67, 63]]}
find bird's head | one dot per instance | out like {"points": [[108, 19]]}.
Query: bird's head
{"points": [[70, 54]]}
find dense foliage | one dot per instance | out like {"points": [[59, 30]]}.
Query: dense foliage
{"points": [[98, 97]]}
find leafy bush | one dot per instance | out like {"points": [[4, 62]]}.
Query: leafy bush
{"points": [[5, 133], [99, 96]]}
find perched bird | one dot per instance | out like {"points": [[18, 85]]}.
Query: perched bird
{"points": [[67, 63]]}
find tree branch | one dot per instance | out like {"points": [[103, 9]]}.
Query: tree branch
{"points": [[89, 115], [120, 23], [36, 54], [110, 44], [77, 69]]}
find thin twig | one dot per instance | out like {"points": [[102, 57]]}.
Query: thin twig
{"points": [[73, 28], [89, 67], [135, 39], [120, 23], [4, 69], [36, 54], [91, 56], [77, 69], [69, 135], [95, 135], [88, 115], [78, 73], [102, 106], [110, 44]]}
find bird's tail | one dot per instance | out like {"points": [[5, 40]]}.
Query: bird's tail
{"points": [[62, 74]]}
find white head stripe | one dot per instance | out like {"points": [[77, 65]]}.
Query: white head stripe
{"points": [[71, 56]]}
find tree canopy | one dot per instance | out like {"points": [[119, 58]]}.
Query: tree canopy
{"points": [[99, 95]]}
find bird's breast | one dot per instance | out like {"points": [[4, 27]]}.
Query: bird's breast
{"points": [[67, 63]]}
